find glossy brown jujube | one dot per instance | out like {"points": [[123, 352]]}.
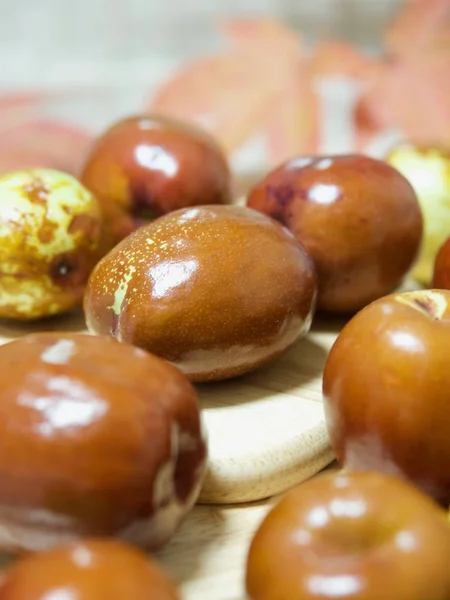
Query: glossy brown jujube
{"points": [[148, 165], [353, 536], [441, 271], [97, 438], [386, 389], [91, 569], [358, 218], [216, 290]]}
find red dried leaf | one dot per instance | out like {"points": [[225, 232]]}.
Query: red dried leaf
{"points": [[339, 59], [14, 159], [372, 114], [14, 99], [293, 129], [253, 33], [411, 94], [233, 94], [43, 143], [420, 23], [230, 95], [418, 95], [17, 106]]}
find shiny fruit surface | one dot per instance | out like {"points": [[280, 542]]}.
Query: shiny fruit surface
{"points": [[148, 165], [353, 536], [87, 570], [50, 227], [216, 290], [386, 388], [97, 438], [428, 170], [441, 271], [356, 216]]}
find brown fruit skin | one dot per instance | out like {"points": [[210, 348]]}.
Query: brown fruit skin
{"points": [[354, 535], [148, 165], [97, 438], [87, 570], [441, 274], [357, 217], [216, 290], [386, 387]]}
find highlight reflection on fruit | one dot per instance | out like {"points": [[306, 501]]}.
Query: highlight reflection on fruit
{"points": [[148, 165], [428, 170], [92, 569], [357, 217], [386, 388], [354, 536], [216, 290], [97, 438]]}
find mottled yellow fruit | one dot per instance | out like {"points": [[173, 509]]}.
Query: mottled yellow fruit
{"points": [[428, 171], [50, 229]]}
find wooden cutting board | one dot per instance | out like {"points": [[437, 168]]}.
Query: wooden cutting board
{"points": [[266, 430]]}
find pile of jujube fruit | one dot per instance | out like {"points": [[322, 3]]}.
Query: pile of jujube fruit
{"points": [[102, 446]]}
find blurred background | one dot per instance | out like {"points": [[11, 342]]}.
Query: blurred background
{"points": [[271, 79], [87, 41]]}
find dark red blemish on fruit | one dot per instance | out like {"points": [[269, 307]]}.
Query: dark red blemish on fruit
{"points": [[68, 270], [143, 203]]}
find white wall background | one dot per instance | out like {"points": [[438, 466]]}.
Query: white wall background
{"points": [[58, 41]]}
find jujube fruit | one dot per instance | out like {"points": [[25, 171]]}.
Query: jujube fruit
{"points": [[97, 438], [215, 290], [386, 388], [50, 230], [357, 217], [92, 569], [353, 536], [145, 166]]}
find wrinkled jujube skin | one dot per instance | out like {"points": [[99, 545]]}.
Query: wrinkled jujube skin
{"points": [[386, 387], [441, 273], [216, 290], [357, 217], [91, 569], [354, 536], [148, 165], [97, 438]]}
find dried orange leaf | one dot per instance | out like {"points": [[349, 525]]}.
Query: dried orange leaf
{"points": [[418, 24], [13, 99], [418, 95], [372, 114], [232, 94], [15, 107], [294, 126], [339, 59], [411, 94], [43, 143], [270, 33], [367, 122]]}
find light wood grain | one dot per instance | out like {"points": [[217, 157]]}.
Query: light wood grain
{"points": [[266, 430]]}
